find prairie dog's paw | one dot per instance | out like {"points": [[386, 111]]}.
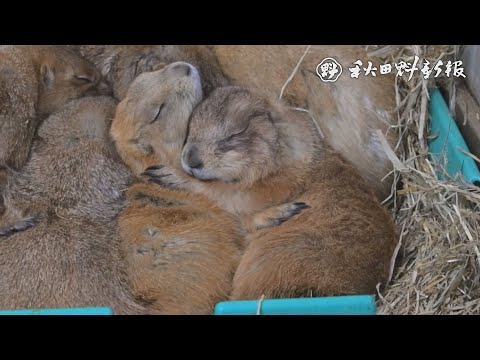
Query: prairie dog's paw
{"points": [[165, 176], [155, 199], [21, 225], [277, 215]]}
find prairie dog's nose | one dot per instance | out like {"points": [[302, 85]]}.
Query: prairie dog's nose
{"points": [[182, 69], [191, 158]]}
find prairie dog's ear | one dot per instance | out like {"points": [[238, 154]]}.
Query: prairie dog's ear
{"points": [[47, 75]]}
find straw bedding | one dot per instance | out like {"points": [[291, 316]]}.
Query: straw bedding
{"points": [[437, 268]]}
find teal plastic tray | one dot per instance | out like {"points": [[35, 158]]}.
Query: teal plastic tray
{"points": [[337, 305], [67, 311], [446, 142]]}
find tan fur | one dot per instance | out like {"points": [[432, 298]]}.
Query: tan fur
{"points": [[341, 245], [143, 141], [120, 64], [65, 262], [74, 186], [182, 250], [34, 82], [73, 169], [3, 183], [347, 111]]}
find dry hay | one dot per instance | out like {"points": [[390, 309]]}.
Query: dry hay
{"points": [[437, 268]]}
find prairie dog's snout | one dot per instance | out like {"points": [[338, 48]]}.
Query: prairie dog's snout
{"points": [[191, 160]]}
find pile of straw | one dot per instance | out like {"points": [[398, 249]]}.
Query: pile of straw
{"points": [[437, 268]]}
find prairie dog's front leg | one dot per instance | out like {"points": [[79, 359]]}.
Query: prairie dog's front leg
{"points": [[273, 216], [167, 177]]}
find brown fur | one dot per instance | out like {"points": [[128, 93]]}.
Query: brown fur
{"points": [[120, 64], [347, 111], [65, 262], [143, 141], [73, 185], [73, 168], [255, 155], [342, 245], [34, 82], [182, 250], [3, 183]]}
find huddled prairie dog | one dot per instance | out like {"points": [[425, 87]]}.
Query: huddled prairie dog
{"points": [[247, 154], [34, 82], [65, 262], [151, 121], [120, 64], [73, 168], [74, 187], [182, 250], [348, 111]]}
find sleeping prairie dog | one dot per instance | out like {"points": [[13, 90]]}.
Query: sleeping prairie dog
{"points": [[64, 262], [34, 82], [73, 167], [348, 111], [151, 122], [248, 154], [182, 251], [73, 186], [121, 64]]}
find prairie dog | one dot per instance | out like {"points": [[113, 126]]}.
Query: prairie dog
{"points": [[34, 82], [65, 262], [247, 154], [182, 251], [73, 168], [73, 187], [121, 64], [151, 122], [348, 111]]}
